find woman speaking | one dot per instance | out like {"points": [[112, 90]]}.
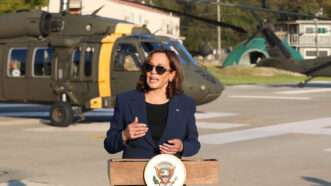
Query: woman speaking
{"points": [[156, 117]]}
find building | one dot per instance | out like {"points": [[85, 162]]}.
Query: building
{"points": [[158, 22], [312, 38]]}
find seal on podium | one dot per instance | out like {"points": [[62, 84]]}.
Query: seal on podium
{"points": [[165, 170]]}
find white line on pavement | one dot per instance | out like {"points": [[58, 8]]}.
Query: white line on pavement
{"points": [[46, 113], [327, 150], [305, 91], [108, 113], [211, 125], [271, 97], [103, 127], [321, 82], [317, 126], [99, 127], [95, 127], [209, 115]]}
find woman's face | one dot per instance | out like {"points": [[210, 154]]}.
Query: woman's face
{"points": [[156, 80]]}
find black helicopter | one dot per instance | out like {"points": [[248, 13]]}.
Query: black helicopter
{"points": [[78, 63], [279, 55]]}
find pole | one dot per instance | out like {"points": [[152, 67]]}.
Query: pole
{"points": [[61, 6], [219, 36], [316, 37], [64, 5]]}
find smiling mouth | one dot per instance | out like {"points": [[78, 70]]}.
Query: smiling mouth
{"points": [[153, 79]]}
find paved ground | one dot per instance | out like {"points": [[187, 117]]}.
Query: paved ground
{"points": [[262, 135]]}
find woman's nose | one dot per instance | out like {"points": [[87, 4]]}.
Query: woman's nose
{"points": [[154, 70]]}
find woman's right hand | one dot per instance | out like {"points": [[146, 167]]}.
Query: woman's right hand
{"points": [[134, 130]]}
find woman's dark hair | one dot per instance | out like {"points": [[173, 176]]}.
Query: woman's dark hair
{"points": [[175, 86]]}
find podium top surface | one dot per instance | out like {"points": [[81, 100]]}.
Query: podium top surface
{"points": [[130, 171], [146, 160]]}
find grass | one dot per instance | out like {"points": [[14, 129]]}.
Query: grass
{"points": [[241, 75]]}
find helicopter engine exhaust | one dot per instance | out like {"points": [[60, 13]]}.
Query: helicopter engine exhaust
{"points": [[26, 23]]}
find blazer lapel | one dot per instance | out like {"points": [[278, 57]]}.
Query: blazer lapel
{"points": [[139, 110]]}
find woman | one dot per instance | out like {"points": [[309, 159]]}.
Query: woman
{"points": [[156, 118]]}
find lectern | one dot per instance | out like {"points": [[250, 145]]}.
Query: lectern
{"points": [[131, 172]]}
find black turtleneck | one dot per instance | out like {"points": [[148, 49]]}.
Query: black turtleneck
{"points": [[157, 119]]}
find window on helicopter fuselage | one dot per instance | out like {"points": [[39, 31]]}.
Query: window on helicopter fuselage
{"points": [[126, 58], [75, 62], [17, 62], [42, 66], [88, 57]]}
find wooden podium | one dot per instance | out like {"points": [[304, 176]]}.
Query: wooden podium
{"points": [[131, 172]]}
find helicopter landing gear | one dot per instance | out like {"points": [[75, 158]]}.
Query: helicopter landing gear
{"points": [[304, 83], [61, 114], [78, 113]]}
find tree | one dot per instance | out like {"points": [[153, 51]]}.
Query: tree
{"points": [[12, 5], [199, 34]]}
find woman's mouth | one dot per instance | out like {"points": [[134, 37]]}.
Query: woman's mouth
{"points": [[153, 79]]}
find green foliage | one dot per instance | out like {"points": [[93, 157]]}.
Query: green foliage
{"points": [[199, 34], [12, 5], [239, 75]]}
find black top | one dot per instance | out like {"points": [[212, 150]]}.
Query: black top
{"points": [[157, 119]]}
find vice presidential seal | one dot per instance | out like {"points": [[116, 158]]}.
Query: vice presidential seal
{"points": [[165, 170]]}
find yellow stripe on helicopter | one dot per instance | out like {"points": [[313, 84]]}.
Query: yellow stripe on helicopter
{"points": [[104, 67]]}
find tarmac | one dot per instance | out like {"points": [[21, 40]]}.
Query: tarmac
{"points": [[262, 135]]}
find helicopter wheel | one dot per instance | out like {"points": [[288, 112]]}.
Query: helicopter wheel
{"points": [[61, 114]]}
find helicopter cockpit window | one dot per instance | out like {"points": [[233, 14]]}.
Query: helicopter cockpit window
{"points": [[181, 51], [177, 47], [17, 62], [88, 56], [127, 58], [42, 65], [76, 62], [149, 47]]}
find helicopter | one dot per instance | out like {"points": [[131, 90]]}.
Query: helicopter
{"points": [[77, 63], [280, 54], [281, 59]]}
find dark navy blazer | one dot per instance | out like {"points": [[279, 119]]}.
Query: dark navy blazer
{"points": [[180, 124]]}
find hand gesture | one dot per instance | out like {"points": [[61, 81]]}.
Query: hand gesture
{"points": [[134, 130], [172, 147]]}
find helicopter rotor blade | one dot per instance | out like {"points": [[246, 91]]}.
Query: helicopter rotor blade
{"points": [[206, 20], [252, 36], [268, 10], [98, 10]]}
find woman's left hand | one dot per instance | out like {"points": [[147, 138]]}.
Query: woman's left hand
{"points": [[172, 147]]}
